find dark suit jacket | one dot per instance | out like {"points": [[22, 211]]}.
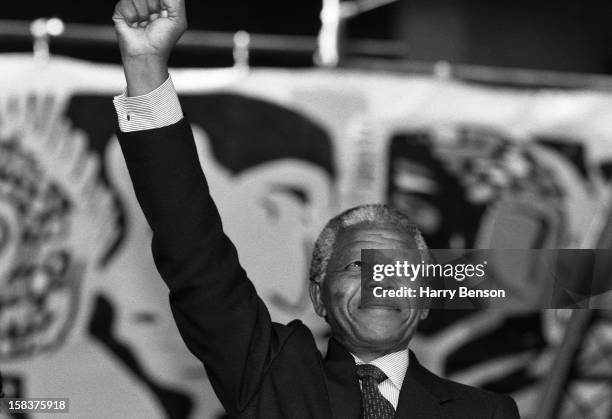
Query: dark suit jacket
{"points": [[258, 368]]}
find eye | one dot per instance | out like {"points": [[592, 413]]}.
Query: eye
{"points": [[353, 266]]}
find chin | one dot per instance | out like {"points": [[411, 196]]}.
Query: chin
{"points": [[384, 337]]}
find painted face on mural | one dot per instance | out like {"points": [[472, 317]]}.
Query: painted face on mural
{"points": [[381, 329], [273, 209], [269, 209]]}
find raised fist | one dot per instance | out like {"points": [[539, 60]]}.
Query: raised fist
{"points": [[149, 28]]}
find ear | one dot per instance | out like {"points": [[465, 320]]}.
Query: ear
{"points": [[317, 300]]}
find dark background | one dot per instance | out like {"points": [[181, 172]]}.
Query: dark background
{"points": [[542, 34]]}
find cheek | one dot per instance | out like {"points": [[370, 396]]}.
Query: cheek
{"points": [[336, 298], [342, 290]]}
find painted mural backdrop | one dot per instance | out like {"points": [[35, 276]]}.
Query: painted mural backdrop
{"points": [[84, 315]]}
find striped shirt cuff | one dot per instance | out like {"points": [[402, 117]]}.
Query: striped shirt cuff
{"points": [[158, 108]]}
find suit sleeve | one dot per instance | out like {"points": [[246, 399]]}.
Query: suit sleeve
{"points": [[506, 409], [217, 310]]}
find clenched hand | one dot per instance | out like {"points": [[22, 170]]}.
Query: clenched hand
{"points": [[147, 31]]}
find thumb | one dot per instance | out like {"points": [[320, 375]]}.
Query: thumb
{"points": [[175, 8]]}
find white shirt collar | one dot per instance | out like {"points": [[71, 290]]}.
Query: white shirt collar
{"points": [[394, 365]]}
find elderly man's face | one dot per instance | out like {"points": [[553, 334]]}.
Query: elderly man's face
{"points": [[377, 330]]}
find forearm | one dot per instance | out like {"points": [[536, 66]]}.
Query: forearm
{"points": [[144, 74], [147, 30]]}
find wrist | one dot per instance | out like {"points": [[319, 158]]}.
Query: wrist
{"points": [[144, 73]]}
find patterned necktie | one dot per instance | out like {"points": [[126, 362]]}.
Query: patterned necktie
{"points": [[374, 405]]}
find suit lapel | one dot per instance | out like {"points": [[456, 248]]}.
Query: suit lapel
{"points": [[421, 394], [342, 382]]}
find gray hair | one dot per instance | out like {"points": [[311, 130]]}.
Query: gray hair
{"points": [[379, 214]]}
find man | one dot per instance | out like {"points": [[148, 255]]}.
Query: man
{"points": [[259, 368]]}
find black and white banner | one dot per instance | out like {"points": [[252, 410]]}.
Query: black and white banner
{"points": [[84, 314]]}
